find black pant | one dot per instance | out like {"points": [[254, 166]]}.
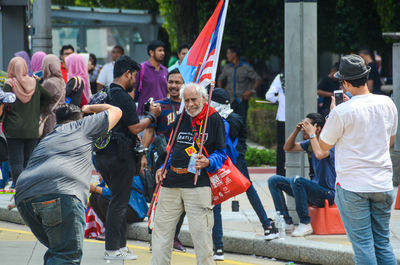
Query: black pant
{"points": [[100, 206], [19, 151], [280, 153], [118, 174], [241, 109]]}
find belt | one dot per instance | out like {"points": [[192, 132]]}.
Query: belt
{"points": [[179, 170]]}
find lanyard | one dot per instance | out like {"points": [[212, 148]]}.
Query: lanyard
{"points": [[196, 134]]}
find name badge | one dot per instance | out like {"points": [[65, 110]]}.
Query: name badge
{"points": [[190, 150]]}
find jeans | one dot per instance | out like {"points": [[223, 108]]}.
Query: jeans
{"points": [[58, 222], [19, 151], [117, 173], [253, 199], [304, 192], [366, 218]]}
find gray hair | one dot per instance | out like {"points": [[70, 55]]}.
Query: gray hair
{"points": [[201, 91]]}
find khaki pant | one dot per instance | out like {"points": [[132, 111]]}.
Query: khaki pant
{"points": [[171, 203]]}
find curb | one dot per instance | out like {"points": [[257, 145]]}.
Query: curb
{"points": [[295, 249]]}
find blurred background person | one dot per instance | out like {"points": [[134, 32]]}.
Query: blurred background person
{"points": [[24, 55], [65, 51], [94, 71], [78, 72], [53, 82], [36, 64]]}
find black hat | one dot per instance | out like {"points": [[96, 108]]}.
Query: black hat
{"points": [[220, 96], [352, 67]]}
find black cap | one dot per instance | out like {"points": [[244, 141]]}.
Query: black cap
{"points": [[352, 67], [220, 96]]}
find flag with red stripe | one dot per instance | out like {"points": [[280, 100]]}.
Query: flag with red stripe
{"points": [[206, 48]]}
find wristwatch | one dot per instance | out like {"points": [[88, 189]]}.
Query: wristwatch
{"points": [[312, 136]]}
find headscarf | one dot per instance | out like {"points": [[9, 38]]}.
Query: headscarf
{"points": [[22, 85], [77, 67], [52, 70], [37, 60], [25, 56]]}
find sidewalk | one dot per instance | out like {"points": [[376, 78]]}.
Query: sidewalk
{"points": [[243, 232]]}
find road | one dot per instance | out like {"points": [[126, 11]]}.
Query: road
{"points": [[18, 246]]}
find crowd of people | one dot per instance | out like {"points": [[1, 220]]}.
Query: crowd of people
{"points": [[56, 134]]}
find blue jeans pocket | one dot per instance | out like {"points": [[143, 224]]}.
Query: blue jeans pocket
{"points": [[48, 211]]}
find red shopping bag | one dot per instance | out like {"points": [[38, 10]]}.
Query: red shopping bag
{"points": [[227, 182]]}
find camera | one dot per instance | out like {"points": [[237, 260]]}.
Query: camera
{"points": [[146, 106], [140, 149]]}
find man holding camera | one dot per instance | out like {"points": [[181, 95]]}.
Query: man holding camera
{"points": [[118, 161], [363, 129]]}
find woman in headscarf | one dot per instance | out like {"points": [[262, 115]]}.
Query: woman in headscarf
{"points": [[36, 63], [54, 83], [78, 78], [24, 55], [21, 120]]}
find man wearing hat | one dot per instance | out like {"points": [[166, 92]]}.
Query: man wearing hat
{"points": [[362, 130]]}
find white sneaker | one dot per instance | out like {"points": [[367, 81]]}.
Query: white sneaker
{"points": [[303, 230], [219, 255], [289, 228], [119, 255]]}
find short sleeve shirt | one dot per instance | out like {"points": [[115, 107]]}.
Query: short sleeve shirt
{"points": [[62, 162], [121, 99], [165, 121], [106, 75], [214, 140], [238, 79], [361, 129], [324, 169]]}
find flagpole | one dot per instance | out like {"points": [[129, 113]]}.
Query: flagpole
{"points": [[170, 144], [203, 133]]}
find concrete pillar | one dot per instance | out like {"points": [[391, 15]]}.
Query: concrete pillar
{"points": [[396, 98], [300, 76], [41, 35]]}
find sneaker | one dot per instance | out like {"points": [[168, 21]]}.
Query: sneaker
{"points": [[289, 228], [219, 254], [178, 245], [303, 230], [119, 255], [271, 232]]}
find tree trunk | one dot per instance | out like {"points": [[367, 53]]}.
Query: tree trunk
{"points": [[187, 22]]}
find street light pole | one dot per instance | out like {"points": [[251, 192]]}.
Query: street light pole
{"points": [[41, 20], [300, 76], [396, 98]]}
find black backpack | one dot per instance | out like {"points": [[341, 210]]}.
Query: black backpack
{"points": [[101, 97]]}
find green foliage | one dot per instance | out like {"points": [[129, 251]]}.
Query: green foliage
{"points": [[388, 10], [261, 123], [259, 157], [166, 8], [357, 24]]}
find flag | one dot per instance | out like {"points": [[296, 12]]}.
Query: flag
{"points": [[206, 48]]}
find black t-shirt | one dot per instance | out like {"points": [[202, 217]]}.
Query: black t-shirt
{"points": [[329, 85], [214, 139], [237, 128], [121, 99], [374, 75]]}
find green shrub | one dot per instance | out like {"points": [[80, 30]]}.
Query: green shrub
{"points": [[259, 157], [261, 123]]}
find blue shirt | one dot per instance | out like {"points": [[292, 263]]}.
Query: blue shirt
{"points": [[324, 169]]}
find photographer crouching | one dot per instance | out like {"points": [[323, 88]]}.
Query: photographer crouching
{"points": [[118, 161]]}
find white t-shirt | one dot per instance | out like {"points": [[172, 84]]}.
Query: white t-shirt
{"points": [[106, 75], [276, 87], [361, 129]]}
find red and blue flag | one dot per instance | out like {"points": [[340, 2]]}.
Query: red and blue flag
{"points": [[205, 51]]}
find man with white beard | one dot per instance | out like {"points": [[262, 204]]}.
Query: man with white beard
{"points": [[178, 192]]}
